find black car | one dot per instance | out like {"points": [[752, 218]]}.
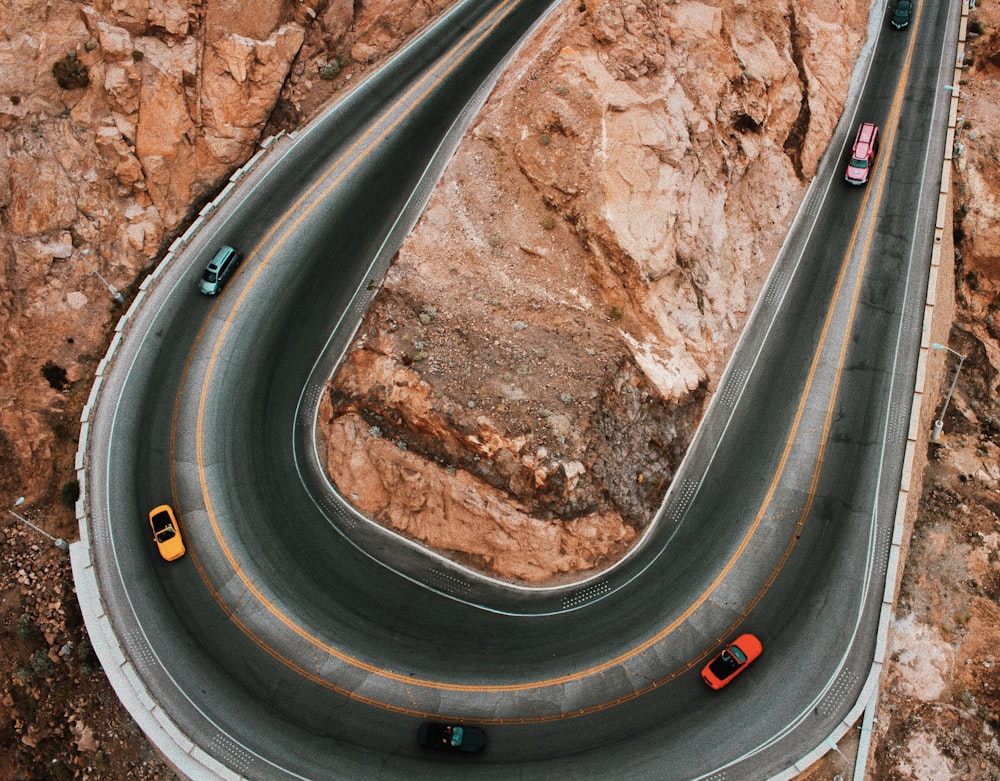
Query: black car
{"points": [[901, 14], [451, 737]]}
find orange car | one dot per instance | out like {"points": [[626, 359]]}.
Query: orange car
{"points": [[733, 660], [166, 532]]}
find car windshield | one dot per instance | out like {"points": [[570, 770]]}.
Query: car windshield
{"points": [[858, 162], [737, 654], [209, 275], [165, 534], [456, 736]]}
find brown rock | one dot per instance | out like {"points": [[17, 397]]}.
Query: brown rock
{"points": [[594, 250], [979, 655], [42, 196], [455, 513]]}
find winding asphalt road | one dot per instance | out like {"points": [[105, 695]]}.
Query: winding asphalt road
{"points": [[297, 640]]}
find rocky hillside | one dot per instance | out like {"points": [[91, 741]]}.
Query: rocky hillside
{"points": [[119, 120], [530, 375]]}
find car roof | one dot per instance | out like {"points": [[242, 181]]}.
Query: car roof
{"points": [[866, 132], [224, 252]]}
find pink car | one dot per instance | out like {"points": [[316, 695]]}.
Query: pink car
{"points": [[862, 154]]}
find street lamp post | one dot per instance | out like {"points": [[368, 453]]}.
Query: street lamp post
{"points": [[939, 423], [115, 293], [57, 541]]}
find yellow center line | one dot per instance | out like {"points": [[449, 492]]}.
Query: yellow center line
{"points": [[365, 137], [890, 135], [409, 681]]}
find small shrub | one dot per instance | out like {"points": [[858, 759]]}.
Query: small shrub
{"points": [[59, 770], [562, 89], [15, 99], [85, 657], [137, 55], [26, 628], [545, 139], [329, 71], [90, 45], [614, 313], [548, 223], [70, 73], [41, 665], [70, 492], [84, 650], [976, 27]]}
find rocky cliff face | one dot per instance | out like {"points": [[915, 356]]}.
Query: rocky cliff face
{"points": [[117, 119], [547, 336]]}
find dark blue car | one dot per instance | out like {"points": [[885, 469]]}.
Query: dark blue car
{"points": [[451, 737], [901, 14]]}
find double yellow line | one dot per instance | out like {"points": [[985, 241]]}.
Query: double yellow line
{"points": [[409, 682]]}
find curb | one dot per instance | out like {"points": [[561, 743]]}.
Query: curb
{"points": [[185, 757]]}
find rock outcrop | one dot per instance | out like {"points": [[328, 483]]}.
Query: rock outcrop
{"points": [[582, 272]]}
